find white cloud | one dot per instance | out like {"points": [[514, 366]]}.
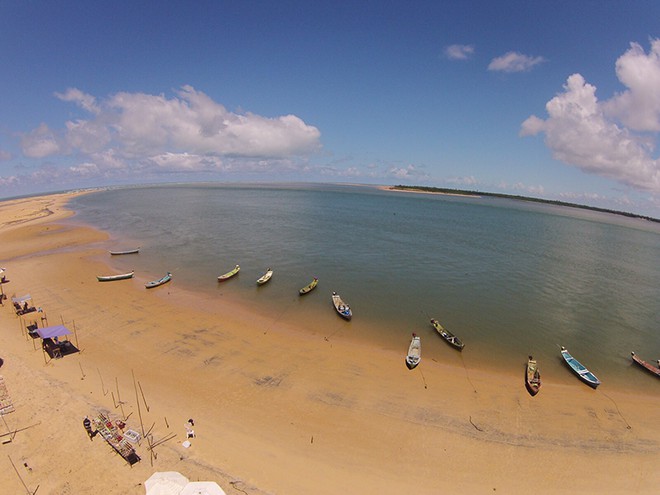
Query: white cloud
{"points": [[408, 172], [138, 133], [459, 52], [463, 181], [514, 62], [40, 143], [580, 130], [639, 106]]}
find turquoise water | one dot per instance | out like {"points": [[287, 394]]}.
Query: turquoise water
{"points": [[509, 278]]}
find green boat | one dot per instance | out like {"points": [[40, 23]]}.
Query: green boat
{"points": [[309, 287], [229, 274]]}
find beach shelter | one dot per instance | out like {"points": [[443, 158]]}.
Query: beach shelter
{"points": [[165, 483], [202, 488], [51, 332]]}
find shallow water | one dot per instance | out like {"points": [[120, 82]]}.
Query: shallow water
{"points": [[509, 278]]}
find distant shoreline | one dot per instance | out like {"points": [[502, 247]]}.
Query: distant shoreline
{"points": [[480, 194]]}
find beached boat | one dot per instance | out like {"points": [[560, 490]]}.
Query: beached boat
{"points": [[579, 369], [265, 277], [414, 352], [646, 365], [532, 376], [110, 278], [127, 251], [449, 337], [229, 274], [342, 308], [160, 281], [309, 287]]}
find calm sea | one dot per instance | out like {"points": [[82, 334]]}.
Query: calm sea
{"points": [[509, 278]]}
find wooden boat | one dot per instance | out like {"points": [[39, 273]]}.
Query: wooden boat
{"points": [[127, 251], [309, 287], [110, 278], [265, 277], [229, 274], [646, 365], [532, 377], [160, 281], [580, 370], [447, 335], [342, 308], [414, 352]]}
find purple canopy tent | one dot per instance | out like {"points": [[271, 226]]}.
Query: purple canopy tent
{"points": [[50, 332]]}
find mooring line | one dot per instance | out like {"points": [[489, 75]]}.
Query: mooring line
{"points": [[617, 410]]}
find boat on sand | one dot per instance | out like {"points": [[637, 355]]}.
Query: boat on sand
{"points": [[160, 281], [646, 365], [449, 337], [110, 278], [532, 377], [125, 251], [229, 274], [265, 277], [579, 369], [342, 308], [414, 352]]}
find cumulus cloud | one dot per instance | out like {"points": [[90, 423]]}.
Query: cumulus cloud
{"points": [[514, 62], [600, 137], [459, 52], [187, 132]]}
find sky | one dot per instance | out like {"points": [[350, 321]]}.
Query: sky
{"points": [[556, 100]]}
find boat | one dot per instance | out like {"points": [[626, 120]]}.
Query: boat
{"points": [[160, 281], [309, 287], [532, 377], [414, 352], [447, 335], [229, 274], [265, 277], [580, 370], [127, 251], [342, 308], [646, 365], [110, 278]]}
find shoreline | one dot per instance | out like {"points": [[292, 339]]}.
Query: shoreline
{"points": [[280, 410]]}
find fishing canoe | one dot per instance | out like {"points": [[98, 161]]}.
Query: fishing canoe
{"points": [[414, 352], [309, 287], [229, 274], [127, 251], [579, 369], [449, 337], [532, 377], [110, 278], [265, 277], [646, 365], [342, 308], [160, 281]]}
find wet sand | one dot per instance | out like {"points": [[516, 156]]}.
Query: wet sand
{"points": [[282, 411]]}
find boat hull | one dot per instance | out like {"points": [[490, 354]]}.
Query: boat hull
{"points": [[309, 287], [265, 277], [128, 251], [157, 283], [341, 307], [532, 377], [229, 274], [112, 278], [646, 365], [580, 370], [414, 353], [449, 337]]}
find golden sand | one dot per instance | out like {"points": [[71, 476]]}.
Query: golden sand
{"points": [[282, 412]]}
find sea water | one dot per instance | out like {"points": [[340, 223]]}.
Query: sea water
{"points": [[509, 278]]}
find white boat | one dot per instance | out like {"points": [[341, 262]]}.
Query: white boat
{"points": [[414, 352], [126, 251], [110, 278], [342, 308], [160, 281], [265, 277]]}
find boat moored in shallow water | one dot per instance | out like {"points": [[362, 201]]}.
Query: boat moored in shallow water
{"points": [[449, 337], [160, 281], [342, 308], [414, 352], [579, 369], [646, 365]]}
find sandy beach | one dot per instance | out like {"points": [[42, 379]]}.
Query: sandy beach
{"points": [[285, 411]]}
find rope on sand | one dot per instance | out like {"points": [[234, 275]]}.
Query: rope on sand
{"points": [[618, 411], [475, 426]]}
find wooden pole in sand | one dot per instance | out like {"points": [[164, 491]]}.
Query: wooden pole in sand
{"points": [[75, 333], [121, 404], [21, 478], [138, 404]]}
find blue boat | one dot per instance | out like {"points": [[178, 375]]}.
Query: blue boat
{"points": [[342, 308], [581, 371], [161, 281]]}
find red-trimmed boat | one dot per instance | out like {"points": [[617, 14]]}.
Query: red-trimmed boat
{"points": [[647, 366]]}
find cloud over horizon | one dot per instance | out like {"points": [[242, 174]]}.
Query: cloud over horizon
{"points": [[614, 138], [130, 132]]}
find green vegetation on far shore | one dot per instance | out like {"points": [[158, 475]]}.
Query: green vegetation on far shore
{"points": [[462, 192]]}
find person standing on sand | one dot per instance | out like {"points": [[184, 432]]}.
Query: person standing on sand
{"points": [[88, 428]]}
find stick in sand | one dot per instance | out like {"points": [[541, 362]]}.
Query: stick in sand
{"points": [[143, 399], [81, 371], [21, 478], [102, 385]]}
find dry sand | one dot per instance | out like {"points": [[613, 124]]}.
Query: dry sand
{"points": [[282, 412]]}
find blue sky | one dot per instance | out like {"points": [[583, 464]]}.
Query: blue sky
{"points": [[559, 100]]}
